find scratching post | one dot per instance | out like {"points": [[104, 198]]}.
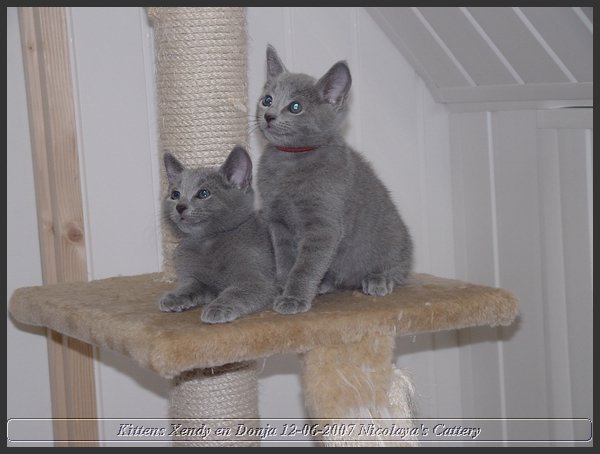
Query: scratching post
{"points": [[200, 56], [357, 381], [215, 398]]}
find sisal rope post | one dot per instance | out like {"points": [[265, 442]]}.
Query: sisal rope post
{"points": [[201, 83], [200, 57], [214, 401], [357, 384]]}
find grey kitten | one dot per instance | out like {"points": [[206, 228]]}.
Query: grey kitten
{"points": [[331, 219], [224, 257]]}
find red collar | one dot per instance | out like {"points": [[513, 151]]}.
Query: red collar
{"points": [[296, 150]]}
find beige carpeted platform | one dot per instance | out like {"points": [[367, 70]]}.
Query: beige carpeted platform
{"points": [[122, 314]]}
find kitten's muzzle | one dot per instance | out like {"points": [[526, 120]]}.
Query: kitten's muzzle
{"points": [[181, 207], [269, 117]]}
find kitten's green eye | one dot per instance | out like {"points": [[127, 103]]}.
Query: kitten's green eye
{"points": [[267, 100], [175, 195], [295, 107], [203, 193]]}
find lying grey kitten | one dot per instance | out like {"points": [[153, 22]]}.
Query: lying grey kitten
{"points": [[332, 222], [224, 258]]}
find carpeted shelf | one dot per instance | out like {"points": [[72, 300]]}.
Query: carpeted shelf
{"points": [[122, 314]]}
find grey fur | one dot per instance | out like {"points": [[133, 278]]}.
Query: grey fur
{"points": [[224, 258], [331, 219]]}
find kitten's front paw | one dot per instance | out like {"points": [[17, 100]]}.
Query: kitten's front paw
{"points": [[377, 285], [217, 312], [290, 305], [170, 302]]}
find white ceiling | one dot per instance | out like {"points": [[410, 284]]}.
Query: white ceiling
{"points": [[491, 54]]}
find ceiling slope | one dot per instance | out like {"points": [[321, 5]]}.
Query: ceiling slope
{"points": [[496, 54]]}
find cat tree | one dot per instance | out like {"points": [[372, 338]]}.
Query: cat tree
{"points": [[345, 341]]}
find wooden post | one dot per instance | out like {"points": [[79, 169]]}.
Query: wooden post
{"points": [[49, 87]]}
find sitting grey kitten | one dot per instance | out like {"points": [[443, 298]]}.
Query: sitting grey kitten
{"points": [[224, 258], [332, 222]]}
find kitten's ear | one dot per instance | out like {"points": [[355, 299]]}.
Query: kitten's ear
{"points": [[237, 168], [172, 166], [334, 85], [274, 64]]}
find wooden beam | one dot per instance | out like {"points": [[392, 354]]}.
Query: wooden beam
{"points": [[58, 390], [53, 130]]}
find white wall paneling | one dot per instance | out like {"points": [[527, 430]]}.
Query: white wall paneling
{"points": [[119, 155], [569, 38], [572, 118], [481, 54], [542, 92], [522, 180], [553, 271], [586, 15], [519, 261], [481, 370], [574, 148], [410, 35], [522, 50], [459, 33], [118, 139]]}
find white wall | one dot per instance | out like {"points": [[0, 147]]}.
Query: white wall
{"points": [[118, 143], [522, 185]]}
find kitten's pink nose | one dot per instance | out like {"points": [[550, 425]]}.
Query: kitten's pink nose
{"points": [[269, 117], [181, 208]]}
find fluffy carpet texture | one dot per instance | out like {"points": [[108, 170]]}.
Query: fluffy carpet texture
{"points": [[122, 314], [357, 383]]}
